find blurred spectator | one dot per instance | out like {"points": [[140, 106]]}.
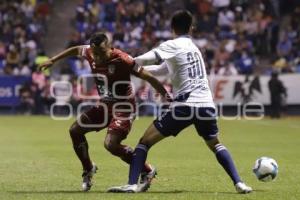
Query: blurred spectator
{"points": [[206, 23], [145, 100], [13, 57], [2, 50], [220, 3], [245, 63], [46, 98], [40, 58], [22, 70], [228, 70], [39, 79], [81, 67], [28, 8], [26, 100], [23, 25], [8, 70], [284, 47], [278, 94], [39, 84], [226, 18]]}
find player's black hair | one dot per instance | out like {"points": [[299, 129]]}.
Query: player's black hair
{"points": [[181, 22], [98, 38]]}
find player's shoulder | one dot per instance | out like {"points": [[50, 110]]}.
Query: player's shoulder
{"points": [[176, 43], [167, 46], [119, 52], [168, 43], [122, 56]]}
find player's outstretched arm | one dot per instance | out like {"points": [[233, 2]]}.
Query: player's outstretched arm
{"points": [[149, 58], [157, 55], [158, 70], [73, 51], [147, 76]]}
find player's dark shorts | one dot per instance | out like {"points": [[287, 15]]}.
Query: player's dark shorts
{"points": [[178, 118], [105, 116]]}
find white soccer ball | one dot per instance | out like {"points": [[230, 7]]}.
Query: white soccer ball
{"points": [[265, 169]]}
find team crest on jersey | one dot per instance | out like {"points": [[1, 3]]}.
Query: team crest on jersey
{"points": [[111, 69]]}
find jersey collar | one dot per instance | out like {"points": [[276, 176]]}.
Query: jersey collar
{"points": [[184, 36]]}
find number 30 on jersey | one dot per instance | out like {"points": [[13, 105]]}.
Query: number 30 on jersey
{"points": [[196, 69]]}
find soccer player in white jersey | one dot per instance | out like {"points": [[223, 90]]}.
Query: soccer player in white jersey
{"points": [[193, 103]]}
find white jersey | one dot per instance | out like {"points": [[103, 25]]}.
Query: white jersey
{"points": [[187, 69]]}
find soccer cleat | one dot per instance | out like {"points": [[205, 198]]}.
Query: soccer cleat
{"points": [[146, 179], [87, 178], [125, 189], [242, 188]]}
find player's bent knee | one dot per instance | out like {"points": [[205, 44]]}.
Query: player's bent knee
{"points": [[107, 145], [145, 141], [212, 143], [112, 147], [75, 130], [151, 137], [72, 130]]}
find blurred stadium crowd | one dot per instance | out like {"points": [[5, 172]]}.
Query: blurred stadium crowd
{"points": [[235, 37], [23, 26]]}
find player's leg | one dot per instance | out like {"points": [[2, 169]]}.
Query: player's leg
{"points": [[118, 130], [91, 120], [170, 123], [206, 125], [80, 145], [151, 137], [224, 158], [112, 143], [164, 126], [81, 148]]}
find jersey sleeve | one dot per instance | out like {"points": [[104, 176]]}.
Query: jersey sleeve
{"points": [[165, 50], [149, 58], [157, 70], [131, 65]]}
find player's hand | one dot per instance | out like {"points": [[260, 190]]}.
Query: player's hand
{"points": [[45, 65]]}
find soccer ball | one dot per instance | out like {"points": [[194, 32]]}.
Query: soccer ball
{"points": [[265, 169]]}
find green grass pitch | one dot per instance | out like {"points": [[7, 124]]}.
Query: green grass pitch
{"points": [[37, 162]]}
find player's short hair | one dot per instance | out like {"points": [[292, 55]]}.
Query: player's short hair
{"points": [[98, 38], [181, 22]]}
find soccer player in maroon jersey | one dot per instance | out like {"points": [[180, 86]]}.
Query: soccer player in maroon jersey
{"points": [[113, 65]]}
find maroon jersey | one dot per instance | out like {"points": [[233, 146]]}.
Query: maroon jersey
{"points": [[113, 77]]}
